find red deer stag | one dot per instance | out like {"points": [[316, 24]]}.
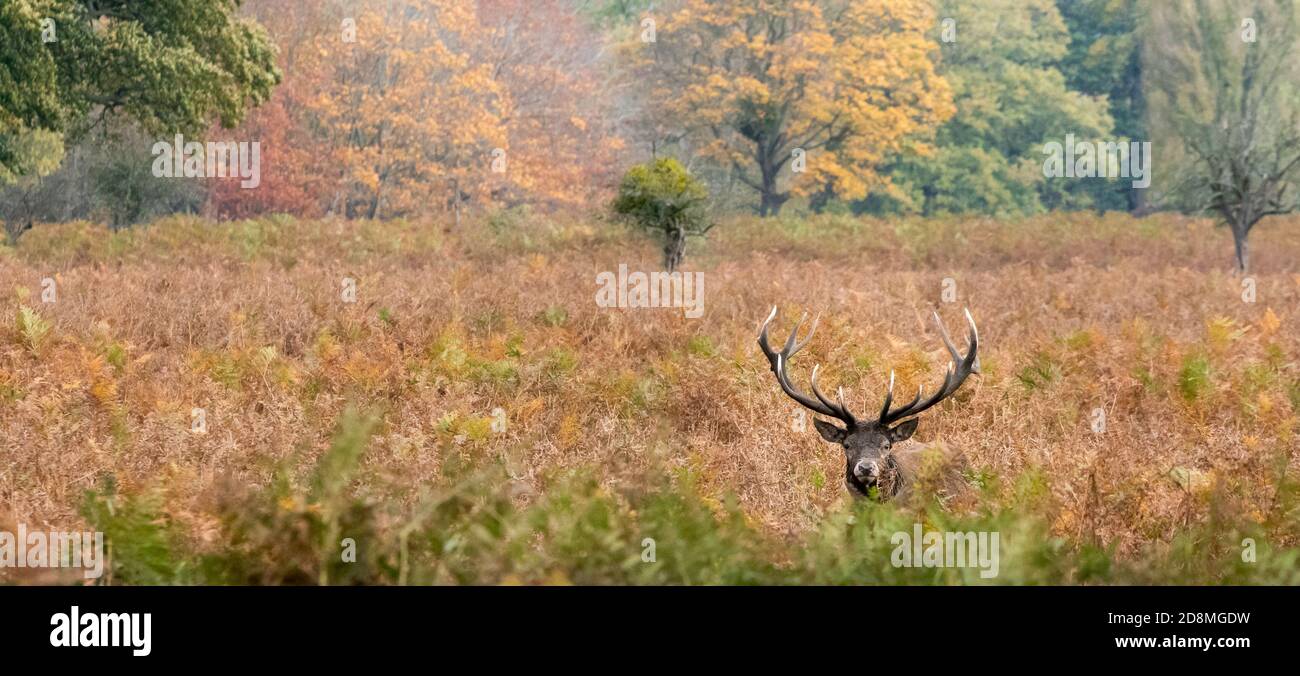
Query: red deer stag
{"points": [[878, 452]]}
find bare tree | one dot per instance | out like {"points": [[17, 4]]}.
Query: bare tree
{"points": [[1229, 82]]}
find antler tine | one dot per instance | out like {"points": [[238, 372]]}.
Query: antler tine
{"points": [[791, 345], [947, 340], [915, 399], [762, 335], [811, 330], [889, 396], [841, 411], [948, 379], [959, 368], [780, 360], [973, 341]]}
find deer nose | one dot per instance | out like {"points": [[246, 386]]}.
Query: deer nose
{"points": [[865, 470]]}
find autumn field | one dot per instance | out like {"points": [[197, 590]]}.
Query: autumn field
{"points": [[475, 417]]}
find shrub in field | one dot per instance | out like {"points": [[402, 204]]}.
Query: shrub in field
{"points": [[138, 536], [317, 533], [1194, 376], [663, 197], [32, 330]]}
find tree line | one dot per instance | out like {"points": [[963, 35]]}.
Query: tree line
{"points": [[388, 108]]}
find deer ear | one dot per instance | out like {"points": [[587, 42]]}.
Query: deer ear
{"points": [[903, 431], [829, 431]]}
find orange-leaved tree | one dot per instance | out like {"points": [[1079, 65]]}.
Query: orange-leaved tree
{"points": [[293, 167], [804, 97], [563, 150], [408, 109]]}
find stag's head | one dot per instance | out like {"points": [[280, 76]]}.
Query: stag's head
{"points": [[868, 443]]}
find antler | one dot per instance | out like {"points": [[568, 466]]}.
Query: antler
{"points": [[958, 369], [780, 360]]}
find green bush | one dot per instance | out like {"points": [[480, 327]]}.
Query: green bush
{"points": [[663, 197], [1194, 377], [137, 535]]}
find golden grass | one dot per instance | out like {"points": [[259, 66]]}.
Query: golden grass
{"points": [[1139, 318]]}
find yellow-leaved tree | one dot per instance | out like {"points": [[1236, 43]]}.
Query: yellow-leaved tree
{"points": [[408, 110], [804, 97]]}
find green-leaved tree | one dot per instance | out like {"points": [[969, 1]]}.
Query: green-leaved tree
{"points": [[664, 198], [69, 66], [1002, 59]]}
